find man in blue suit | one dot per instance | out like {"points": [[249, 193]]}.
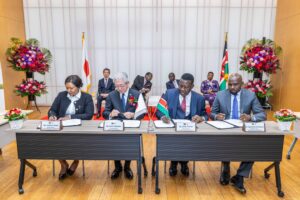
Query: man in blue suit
{"points": [[172, 83], [183, 103], [105, 86]]}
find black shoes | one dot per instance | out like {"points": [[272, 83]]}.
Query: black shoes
{"points": [[238, 183], [225, 177], [128, 173], [185, 170], [116, 173], [173, 171], [62, 176]]}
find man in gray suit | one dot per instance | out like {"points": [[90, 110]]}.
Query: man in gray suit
{"points": [[236, 103]]}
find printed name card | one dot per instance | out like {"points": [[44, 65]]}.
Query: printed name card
{"points": [[113, 125], [185, 126], [254, 127], [51, 125]]}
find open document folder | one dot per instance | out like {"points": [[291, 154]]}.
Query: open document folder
{"points": [[71, 122], [161, 124], [127, 124], [220, 124]]}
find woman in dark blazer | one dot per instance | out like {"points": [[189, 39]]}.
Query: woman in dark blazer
{"points": [[71, 104]]}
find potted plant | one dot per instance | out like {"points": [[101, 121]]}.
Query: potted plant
{"points": [[15, 118], [285, 119]]}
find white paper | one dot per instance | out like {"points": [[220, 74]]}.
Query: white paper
{"points": [[71, 122], [181, 120], [132, 123], [161, 124], [220, 124], [235, 122], [2, 120], [127, 124]]}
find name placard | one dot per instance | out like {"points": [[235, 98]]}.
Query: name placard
{"points": [[113, 125], [185, 127], [254, 127], [51, 125]]}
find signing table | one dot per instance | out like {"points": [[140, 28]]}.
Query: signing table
{"points": [[85, 142], [211, 144]]}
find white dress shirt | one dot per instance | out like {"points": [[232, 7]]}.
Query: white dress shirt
{"points": [[71, 109], [175, 83], [188, 102]]}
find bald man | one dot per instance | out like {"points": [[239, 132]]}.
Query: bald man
{"points": [[237, 103]]}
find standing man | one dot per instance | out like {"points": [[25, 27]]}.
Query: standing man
{"points": [[172, 83], [143, 84], [183, 103], [237, 103], [209, 88], [121, 104], [105, 86]]}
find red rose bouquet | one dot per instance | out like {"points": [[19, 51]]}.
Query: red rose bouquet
{"points": [[29, 56], [260, 88], [31, 87], [14, 114], [260, 56]]}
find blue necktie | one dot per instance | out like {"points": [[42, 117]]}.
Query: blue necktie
{"points": [[235, 114], [123, 102]]}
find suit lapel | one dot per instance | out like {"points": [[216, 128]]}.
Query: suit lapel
{"points": [[127, 102], [193, 102], [66, 102], [228, 102], [241, 102], [119, 101], [176, 101]]}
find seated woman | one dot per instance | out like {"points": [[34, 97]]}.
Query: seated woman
{"points": [[71, 104]]}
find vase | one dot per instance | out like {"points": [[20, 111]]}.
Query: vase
{"points": [[262, 100], [16, 124], [31, 98], [29, 75], [257, 75], [285, 126]]}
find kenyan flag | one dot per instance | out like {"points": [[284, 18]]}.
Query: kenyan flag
{"points": [[224, 69], [162, 106]]}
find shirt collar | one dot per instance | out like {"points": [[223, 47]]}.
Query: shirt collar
{"points": [[187, 96], [126, 93], [76, 97]]}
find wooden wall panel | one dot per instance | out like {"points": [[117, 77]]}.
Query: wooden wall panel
{"points": [[11, 25], [286, 82]]}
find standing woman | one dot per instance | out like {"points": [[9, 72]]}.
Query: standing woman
{"points": [[71, 104]]}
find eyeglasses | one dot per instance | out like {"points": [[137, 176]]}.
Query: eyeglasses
{"points": [[121, 86]]}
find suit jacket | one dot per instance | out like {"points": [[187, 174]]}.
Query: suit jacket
{"points": [[248, 104], [170, 84], [84, 107], [172, 97], [113, 101], [101, 86], [138, 83]]}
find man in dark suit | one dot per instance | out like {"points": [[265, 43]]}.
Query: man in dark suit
{"points": [[143, 84], [183, 103], [105, 86], [236, 103], [172, 83], [121, 104]]}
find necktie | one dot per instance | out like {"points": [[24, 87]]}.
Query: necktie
{"points": [[105, 83], [235, 114], [123, 102], [183, 104]]}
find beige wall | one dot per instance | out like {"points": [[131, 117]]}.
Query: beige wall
{"points": [[287, 35], [11, 25]]}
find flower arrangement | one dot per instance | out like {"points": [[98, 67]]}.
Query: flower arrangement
{"points": [[261, 88], [132, 101], [14, 114], [285, 115], [29, 56], [260, 56], [31, 87]]}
